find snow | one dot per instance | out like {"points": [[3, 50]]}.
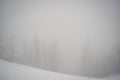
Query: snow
{"points": [[13, 71], [113, 77]]}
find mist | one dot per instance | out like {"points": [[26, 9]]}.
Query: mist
{"points": [[76, 37]]}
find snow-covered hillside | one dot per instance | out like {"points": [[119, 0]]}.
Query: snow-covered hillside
{"points": [[13, 71]]}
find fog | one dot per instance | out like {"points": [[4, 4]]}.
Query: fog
{"points": [[78, 37]]}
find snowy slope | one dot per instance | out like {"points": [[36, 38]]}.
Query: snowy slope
{"points": [[12, 71], [113, 77]]}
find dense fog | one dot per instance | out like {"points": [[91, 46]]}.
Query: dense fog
{"points": [[78, 37]]}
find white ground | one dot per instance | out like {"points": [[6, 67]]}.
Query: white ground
{"points": [[12, 71]]}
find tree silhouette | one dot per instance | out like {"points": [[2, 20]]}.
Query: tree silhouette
{"points": [[12, 47]]}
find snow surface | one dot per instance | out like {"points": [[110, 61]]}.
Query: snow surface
{"points": [[13, 71]]}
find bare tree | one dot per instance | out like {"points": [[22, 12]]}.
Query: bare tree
{"points": [[53, 55], [37, 54], [12, 47], [86, 59]]}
